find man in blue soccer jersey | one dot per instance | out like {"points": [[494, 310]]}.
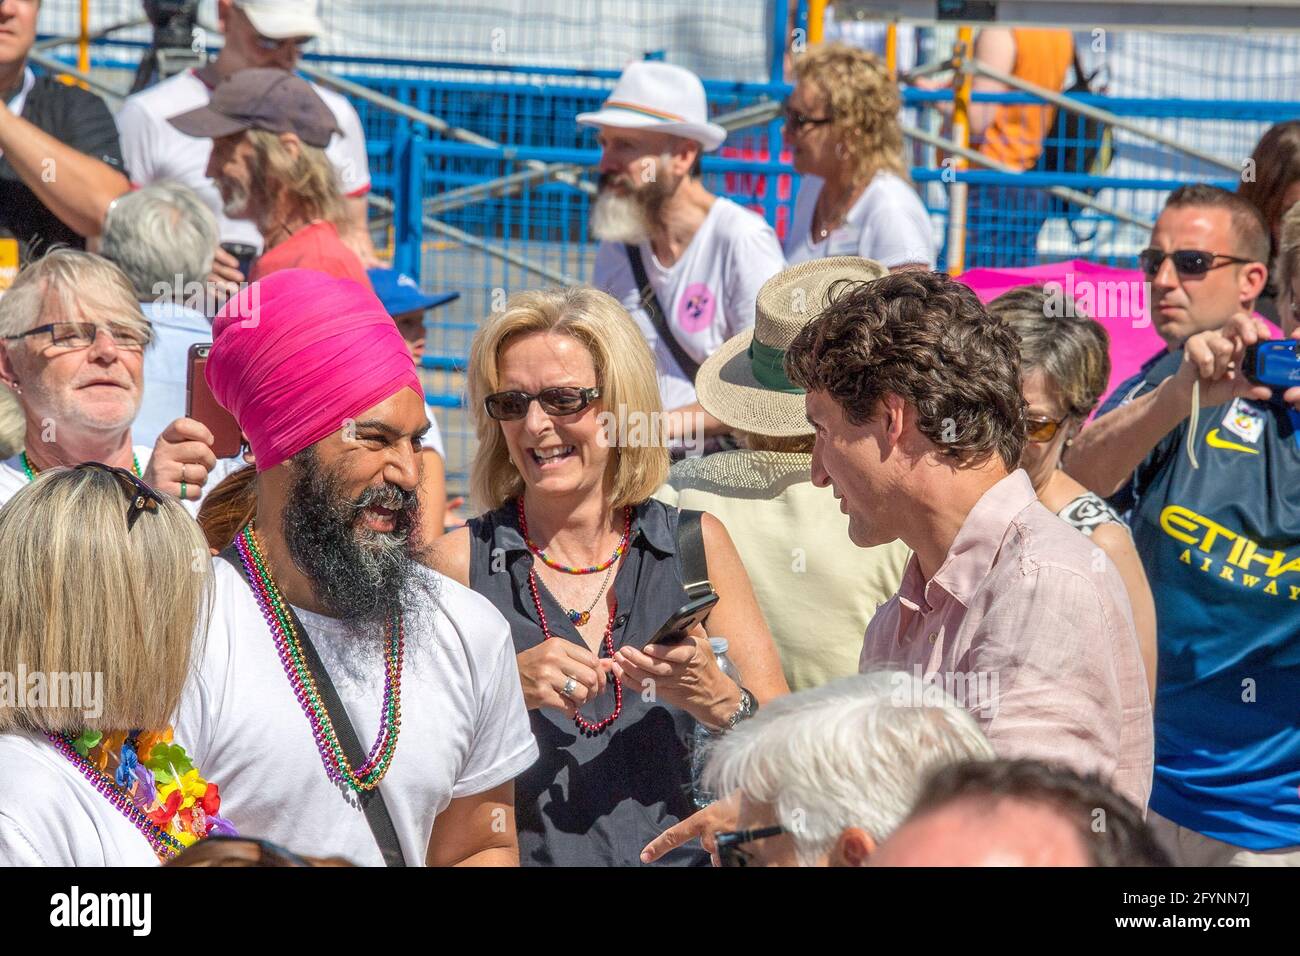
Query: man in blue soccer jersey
{"points": [[1206, 260], [1220, 540]]}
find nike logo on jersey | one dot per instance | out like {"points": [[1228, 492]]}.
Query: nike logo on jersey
{"points": [[1214, 441]]}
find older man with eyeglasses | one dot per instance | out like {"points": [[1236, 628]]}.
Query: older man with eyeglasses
{"points": [[257, 34], [72, 341]]}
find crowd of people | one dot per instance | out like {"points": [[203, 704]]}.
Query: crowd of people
{"points": [[782, 554]]}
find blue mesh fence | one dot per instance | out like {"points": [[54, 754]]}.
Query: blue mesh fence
{"points": [[1217, 94]]}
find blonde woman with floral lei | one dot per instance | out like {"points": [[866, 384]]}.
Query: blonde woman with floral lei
{"points": [[586, 566], [107, 584]]}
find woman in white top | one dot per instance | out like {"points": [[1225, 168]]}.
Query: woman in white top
{"points": [[1064, 369], [855, 197], [107, 583]]}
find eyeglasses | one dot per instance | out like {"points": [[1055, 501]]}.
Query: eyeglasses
{"points": [[1042, 429], [561, 400], [142, 498], [1188, 262], [271, 44], [800, 120], [729, 843], [69, 336]]}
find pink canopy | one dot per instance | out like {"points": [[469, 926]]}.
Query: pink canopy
{"points": [[1114, 297], [1117, 298]]}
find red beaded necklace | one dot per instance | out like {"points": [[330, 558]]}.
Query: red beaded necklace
{"points": [[588, 728]]}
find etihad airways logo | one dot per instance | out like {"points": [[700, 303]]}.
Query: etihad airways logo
{"points": [[1229, 555]]}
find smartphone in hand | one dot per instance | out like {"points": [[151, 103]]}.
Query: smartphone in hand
{"points": [[201, 405], [675, 629]]}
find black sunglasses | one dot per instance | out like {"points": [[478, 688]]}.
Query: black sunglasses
{"points": [[561, 400], [800, 120], [1188, 262], [141, 497], [730, 842]]}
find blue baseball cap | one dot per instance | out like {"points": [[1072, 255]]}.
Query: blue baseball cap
{"points": [[400, 293]]}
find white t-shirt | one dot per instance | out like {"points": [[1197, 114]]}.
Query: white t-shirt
{"points": [[153, 149], [13, 477], [464, 727], [50, 815], [888, 223], [707, 295]]}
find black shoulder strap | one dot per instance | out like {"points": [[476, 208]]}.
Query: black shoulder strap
{"points": [[372, 801], [650, 302], [690, 553]]}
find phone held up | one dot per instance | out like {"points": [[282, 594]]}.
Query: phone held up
{"points": [[202, 405]]}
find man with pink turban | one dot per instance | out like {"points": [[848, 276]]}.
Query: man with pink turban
{"points": [[353, 702]]}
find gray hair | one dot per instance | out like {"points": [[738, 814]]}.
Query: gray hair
{"points": [[158, 233], [68, 285], [851, 753]]}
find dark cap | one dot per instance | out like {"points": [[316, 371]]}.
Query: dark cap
{"points": [[273, 100]]}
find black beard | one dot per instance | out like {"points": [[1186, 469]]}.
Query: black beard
{"points": [[362, 577]]}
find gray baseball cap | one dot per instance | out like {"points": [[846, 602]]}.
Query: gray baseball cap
{"points": [[269, 99]]}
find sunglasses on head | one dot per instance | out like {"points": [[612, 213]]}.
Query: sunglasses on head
{"points": [[730, 842], [1187, 262], [140, 496], [561, 400]]}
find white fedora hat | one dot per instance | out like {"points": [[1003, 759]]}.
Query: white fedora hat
{"points": [[743, 384], [661, 97]]}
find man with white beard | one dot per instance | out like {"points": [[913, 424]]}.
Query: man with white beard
{"points": [[685, 263]]}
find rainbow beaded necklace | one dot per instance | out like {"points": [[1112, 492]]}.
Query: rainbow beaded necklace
{"points": [[31, 470], [289, 647]]}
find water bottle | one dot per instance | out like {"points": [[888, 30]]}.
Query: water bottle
{"points": [[703, 737]]}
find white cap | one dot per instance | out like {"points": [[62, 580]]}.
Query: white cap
{"points": [[281, 19], [661, 97]]}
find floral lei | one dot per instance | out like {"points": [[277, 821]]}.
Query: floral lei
{"points": [[163, 794]]}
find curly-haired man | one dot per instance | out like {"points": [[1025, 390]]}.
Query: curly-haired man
{"points": [[914, 393]]}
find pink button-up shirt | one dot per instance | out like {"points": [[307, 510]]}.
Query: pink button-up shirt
{"points": [[1028, 625]]}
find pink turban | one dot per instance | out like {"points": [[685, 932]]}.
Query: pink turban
{"points": [[297, 354]]}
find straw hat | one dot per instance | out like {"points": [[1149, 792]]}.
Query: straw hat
{"points": [[743, 383]]}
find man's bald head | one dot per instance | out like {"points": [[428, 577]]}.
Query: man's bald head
{"points": [[1019, 813], [966, 833]]}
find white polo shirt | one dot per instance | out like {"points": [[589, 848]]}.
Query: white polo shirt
{"points": [[153, 149], [707, 295]]}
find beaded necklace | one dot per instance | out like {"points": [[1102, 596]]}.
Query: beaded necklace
{"points": [[289, 647], [555, 565], [588, 728], [31, 470], [162, 795]]}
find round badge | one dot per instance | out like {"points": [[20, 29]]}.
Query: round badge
{"points": [[695, 311]]}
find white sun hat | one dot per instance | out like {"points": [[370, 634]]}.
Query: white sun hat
{"points": [[280, 19], [661, 97]]}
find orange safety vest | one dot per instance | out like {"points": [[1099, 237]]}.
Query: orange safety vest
{"points": [[1015, 136]]}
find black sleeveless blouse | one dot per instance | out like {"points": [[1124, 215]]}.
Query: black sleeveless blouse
{"points": [[596, 801]]}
